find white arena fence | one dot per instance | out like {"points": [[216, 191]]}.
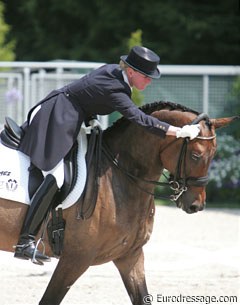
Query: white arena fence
{"points": [[203, 88]]}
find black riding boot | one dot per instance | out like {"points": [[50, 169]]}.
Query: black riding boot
{"points": [[40, 205]]}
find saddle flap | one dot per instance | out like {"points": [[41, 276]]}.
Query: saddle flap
{"points": [[70, 176], [70, 172]]}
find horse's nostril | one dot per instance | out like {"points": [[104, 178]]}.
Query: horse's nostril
{"points": [[195, 207]]}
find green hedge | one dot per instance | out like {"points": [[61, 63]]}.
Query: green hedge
{"points": [[224, 171]]}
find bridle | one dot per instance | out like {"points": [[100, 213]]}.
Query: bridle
{"points": [[179, 184], [178, 181]]}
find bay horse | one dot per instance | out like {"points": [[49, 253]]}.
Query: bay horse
{"points": [[132, 161]]}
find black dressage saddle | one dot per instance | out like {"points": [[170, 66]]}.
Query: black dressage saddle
{"points": [[11, 137]]}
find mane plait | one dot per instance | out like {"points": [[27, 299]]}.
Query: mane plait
{"points": [[160, 105], [150, 108]]}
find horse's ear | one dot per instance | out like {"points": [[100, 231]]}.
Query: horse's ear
{"points": [[223, 122]]}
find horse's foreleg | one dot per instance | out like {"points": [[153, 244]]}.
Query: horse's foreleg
{"points": [[132, 272], [68, 270]]}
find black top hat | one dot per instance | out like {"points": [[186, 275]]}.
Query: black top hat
{"points": [[143, 60]]}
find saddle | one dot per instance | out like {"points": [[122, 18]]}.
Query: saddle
{"points": [[11, 137]]}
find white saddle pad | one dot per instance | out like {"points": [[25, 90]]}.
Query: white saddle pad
{"points": [[14, 173]]}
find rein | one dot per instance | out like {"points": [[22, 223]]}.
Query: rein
{"points": [[177, 183], [134, 178]]}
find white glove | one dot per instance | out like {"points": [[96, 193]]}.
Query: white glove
{"points": [[95, 123], [190, 131]]}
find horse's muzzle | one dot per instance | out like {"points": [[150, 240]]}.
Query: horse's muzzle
{"points": [[194, 207]]}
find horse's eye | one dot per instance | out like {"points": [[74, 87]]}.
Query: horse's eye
{"points": [[196, 156]]}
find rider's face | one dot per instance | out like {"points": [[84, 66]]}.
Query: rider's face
{"points": [[137, 79]]}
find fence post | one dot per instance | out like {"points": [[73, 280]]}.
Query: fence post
{"points": [[205, 93], [26, 103]]}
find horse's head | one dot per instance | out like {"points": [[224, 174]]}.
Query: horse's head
{"points": [[188, 161], [142, 156]]}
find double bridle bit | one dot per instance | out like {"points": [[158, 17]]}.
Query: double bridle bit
{"points": [[177, 183]]}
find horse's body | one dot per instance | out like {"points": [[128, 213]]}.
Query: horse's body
{"points": [[122, 221]]}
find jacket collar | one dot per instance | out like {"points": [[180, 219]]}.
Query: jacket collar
{"points": [[125, 78]]}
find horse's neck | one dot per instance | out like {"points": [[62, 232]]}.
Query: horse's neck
{"points": [[137, 151]]}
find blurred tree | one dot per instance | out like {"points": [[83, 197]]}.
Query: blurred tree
{"points": [[136, 40], [6, 49], [182, 32], [190, 32]]}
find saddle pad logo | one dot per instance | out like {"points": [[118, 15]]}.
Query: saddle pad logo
{"points": [[5, 173], [11, 185]]}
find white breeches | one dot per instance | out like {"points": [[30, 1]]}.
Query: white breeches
{"points": [[57, 172]]}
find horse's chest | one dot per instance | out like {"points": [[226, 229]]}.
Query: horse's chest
{"points": [[127, 239]]}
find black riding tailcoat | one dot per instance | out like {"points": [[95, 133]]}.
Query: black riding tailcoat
{"points": [[55, 127]]}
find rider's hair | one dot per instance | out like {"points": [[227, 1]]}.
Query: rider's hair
{"points": [[123, 65]]}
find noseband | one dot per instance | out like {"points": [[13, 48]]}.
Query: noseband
{"points": [[179, 184]]}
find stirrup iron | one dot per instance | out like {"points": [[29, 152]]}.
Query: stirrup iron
{"points": [[34, 260]]}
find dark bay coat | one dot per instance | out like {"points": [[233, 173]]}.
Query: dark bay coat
{"points": [[55, 127]]}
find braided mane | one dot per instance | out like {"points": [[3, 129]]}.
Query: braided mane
{"points": [[155, 106], [151, 107]]}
